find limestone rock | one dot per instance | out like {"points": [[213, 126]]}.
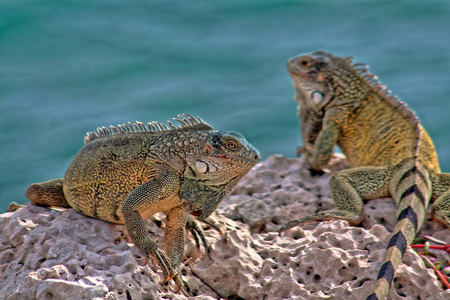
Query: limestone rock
{"points": [[278, 190], [51, 254], [46, 254]]}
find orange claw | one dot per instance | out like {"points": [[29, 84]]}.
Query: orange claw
{"points": [[168, 278]]}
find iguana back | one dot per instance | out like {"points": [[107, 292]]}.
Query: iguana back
{"points": [[376, 133], [103, 172], [389, 152]]}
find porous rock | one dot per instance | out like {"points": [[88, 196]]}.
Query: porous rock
{"points": [[51, 254]]}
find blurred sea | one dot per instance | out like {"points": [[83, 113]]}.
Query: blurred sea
{"points": [[67, 67]]}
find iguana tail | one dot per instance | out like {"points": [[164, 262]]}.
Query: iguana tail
{"points": [[411, 186], [49, 193]]}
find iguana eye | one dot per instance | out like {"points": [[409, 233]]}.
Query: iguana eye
{"points": [[305, 63], [231, 145]]}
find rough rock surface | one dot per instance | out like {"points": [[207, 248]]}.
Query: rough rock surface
{"points": [[51, 254]]}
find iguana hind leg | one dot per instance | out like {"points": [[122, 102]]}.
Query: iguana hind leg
{"points": [[440, 210], [49, 193], [349, 188]]}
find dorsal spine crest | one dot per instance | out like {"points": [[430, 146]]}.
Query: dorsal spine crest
{"points": [[187, 122], [372, 80]]}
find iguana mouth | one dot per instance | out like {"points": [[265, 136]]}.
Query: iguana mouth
{"points": [[249, 160], [297, 73], [223, 156]]}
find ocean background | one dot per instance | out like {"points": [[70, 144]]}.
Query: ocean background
{"points": [[67, 67]]}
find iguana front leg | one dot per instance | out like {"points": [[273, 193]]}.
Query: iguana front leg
{"points": [[320, 155], [174, 241], [158, 192], [311, 122]]}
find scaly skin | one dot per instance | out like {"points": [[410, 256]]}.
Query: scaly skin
{"points": [[125, 176], [389, 152]]}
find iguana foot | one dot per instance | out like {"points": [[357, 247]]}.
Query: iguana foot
{"points": [[197, 231], [316, 173], [352, 218], [313, 171], [214, 225], [182, 285], [166, 266], [302, 150]]}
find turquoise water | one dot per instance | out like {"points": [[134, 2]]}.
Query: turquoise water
{"points": [[67, 67]]}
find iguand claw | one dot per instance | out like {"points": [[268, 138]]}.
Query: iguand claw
{"points": [[352, 218], [307, 151], [168, 271], [303, 150], [213, 225], [197, 232], [182, 285]]}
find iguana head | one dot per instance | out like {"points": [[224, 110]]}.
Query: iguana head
{"points": [[309, 74], [222, 156], [321, 78]]}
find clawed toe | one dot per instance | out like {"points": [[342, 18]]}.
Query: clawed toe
{"points": [[170, 273], [182, 285]]}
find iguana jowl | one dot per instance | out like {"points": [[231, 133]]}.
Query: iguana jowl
{"points": [[128, 174], [389, 152]]}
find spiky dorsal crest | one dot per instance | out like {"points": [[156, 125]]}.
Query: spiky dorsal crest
{"points": [[363, 70], [187, 122]]}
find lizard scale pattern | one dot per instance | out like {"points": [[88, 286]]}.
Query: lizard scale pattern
{"points": [[389, 152], [128, 174]]}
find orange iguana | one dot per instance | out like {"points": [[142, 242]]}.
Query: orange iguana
{"points": [[128, 174], [389, 152]]}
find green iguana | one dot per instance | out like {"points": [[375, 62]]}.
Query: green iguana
{"points": [[389, 152], [126, 175]]}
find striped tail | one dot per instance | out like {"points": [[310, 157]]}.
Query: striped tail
{"points": [[411, 188]]}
